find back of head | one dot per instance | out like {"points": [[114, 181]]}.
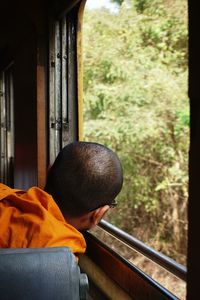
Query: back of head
{"points": [[84, 176]]}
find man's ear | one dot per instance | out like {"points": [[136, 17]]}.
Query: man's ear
{"points": [[98, 214]]}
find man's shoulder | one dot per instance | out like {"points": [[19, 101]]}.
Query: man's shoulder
{"points": [[38, 194], [45, 200], [4, 187], [6, 191]]}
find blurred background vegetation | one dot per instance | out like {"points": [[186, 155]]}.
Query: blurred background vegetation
{"points": [[135, 101]]}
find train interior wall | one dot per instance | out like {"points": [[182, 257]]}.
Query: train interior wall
{"points": [[21, 25]]}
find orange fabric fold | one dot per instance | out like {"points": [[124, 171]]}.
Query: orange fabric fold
{"points": [[32, 219]]}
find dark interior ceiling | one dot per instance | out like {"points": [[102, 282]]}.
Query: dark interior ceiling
{"points": [[17, 20]]}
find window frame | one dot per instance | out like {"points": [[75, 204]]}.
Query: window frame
{"points": [[7, 125], [102, 255]]}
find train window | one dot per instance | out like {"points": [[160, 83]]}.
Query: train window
{"points": [[135, 101], [7, 125], [62, 84]]}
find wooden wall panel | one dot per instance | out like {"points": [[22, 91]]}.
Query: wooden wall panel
{"points": [[25, 114]]}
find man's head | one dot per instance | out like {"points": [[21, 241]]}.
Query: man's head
{"points": [[85, 179]]}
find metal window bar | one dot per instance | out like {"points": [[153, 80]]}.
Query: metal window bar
{"points": [[52, 121], [9, 97], [72, 77], [3, 128], [62, 85], [159, 258], [58, 88], [64, 60], [7, 126]]}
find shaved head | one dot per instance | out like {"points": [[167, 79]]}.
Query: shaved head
{"points": [[84, 176]]}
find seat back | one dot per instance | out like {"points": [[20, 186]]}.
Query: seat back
{"points": [[41, 274]]}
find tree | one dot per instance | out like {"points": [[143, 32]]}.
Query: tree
{"points": [[119, 2], [136, 103]]}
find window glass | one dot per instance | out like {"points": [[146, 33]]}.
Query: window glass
{"points": [[135, 101]]}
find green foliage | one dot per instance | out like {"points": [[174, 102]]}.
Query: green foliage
{"points": [[135, 91], [142, 5], [171, 44], [119, 2]]}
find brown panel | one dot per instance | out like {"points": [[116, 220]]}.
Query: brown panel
{"points": [[25, 107], [41, 111], [130, 278]]}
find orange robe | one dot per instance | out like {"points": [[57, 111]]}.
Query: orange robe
{"points": [[32, 219]]}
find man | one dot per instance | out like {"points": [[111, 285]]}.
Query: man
{"points": [[81, 186]]}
